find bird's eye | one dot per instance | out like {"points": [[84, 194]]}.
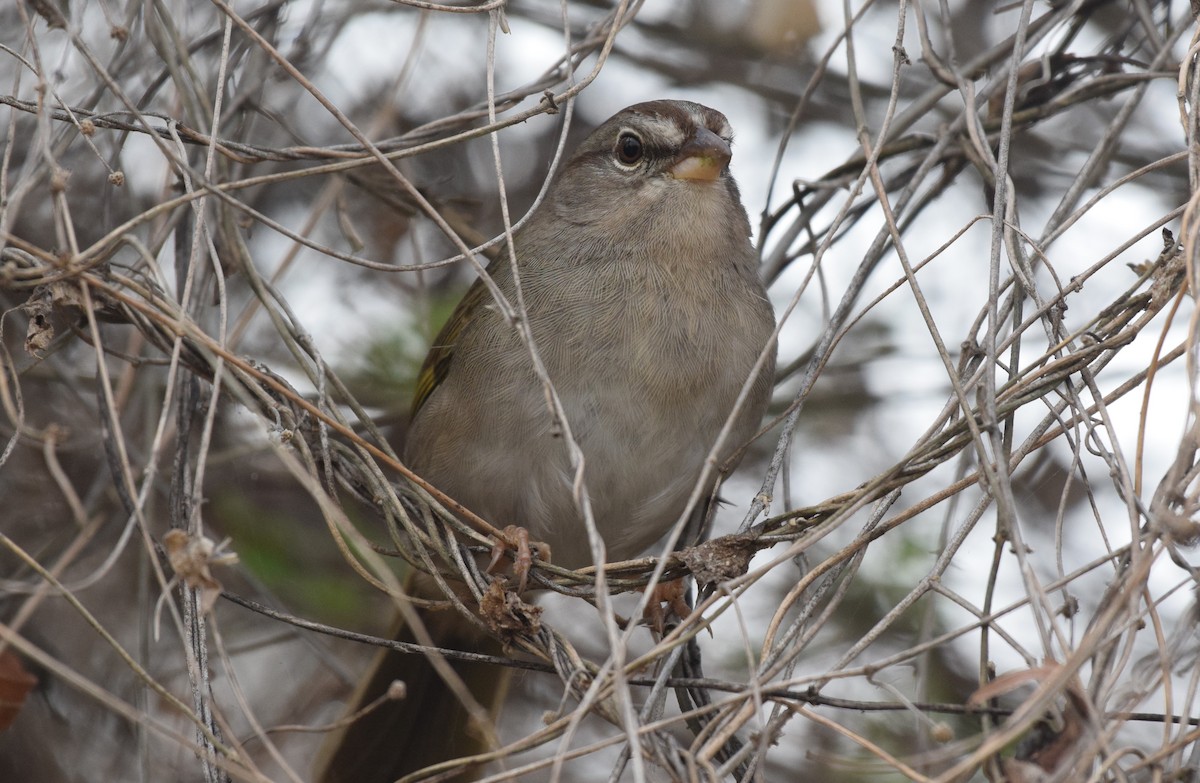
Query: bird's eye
{"points": [[629, 148]]}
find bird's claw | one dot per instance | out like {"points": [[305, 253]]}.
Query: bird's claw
{"points": [[517, 544], [667, 600]]}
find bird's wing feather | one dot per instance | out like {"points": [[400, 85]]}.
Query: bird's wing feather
{"points": [[437, 362]]}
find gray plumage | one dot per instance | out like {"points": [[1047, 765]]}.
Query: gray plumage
{"points": [[645, 305]]}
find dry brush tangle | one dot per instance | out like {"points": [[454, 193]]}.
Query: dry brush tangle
{"points": [[960, 550]]}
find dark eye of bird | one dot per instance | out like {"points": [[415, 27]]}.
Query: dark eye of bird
{"points": [[629, 149]]}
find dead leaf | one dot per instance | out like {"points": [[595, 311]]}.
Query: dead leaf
{"points": [[192, 559], [1050, 744], [41, 328], [507, 615], [720, 559], [44, 304], [15, 684]]}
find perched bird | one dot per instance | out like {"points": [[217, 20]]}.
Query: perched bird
{"points": [[643, 300]]}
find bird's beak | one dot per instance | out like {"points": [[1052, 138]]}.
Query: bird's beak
{"points": [[703, 158]]}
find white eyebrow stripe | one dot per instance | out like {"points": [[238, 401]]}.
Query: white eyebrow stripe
{"points": [[666, 129]]}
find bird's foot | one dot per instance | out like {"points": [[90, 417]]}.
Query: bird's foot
{"points": [[517, 545], [667, 600]]}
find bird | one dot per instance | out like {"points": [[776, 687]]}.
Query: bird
{"points": [[640, 292]]}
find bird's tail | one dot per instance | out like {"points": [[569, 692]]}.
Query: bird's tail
{"points": [[432, 722]]}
